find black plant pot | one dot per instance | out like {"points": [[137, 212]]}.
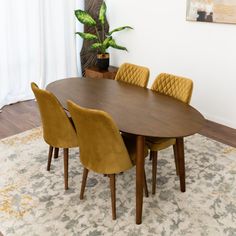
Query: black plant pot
{"points": [[103, 61]]}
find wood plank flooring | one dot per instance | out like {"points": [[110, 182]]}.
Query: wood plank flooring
{"points": [[219, 133], [22, 116], [19, 117]]}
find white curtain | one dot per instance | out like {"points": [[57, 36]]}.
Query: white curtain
{"points": [[37, 43]]}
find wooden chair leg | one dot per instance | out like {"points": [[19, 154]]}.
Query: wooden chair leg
{"points": [[150, 156], [56, 150], [181, 162], [154, 171], [145, 185], [176, 159], [66, 157], [113, 194], [84, 180], [49, 158]]}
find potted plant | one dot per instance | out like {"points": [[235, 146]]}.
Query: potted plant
{"points": [[101, 41]]}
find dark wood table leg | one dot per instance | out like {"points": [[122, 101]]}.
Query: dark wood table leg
{"points": [[139, 177], [181, 162]]}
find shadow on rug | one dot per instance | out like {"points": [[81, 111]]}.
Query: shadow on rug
{"points": [[33, 201]]}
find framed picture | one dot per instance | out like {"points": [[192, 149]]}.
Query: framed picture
{"points": [[221, 11]]}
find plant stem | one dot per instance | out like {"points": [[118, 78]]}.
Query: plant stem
{"points": [[98, 34], [102, 50], [103, 33]]}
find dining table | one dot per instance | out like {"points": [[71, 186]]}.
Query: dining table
{"points": [[137, 111]]}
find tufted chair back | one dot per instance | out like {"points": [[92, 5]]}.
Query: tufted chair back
{"points": [[133, 74], [178, 87], [181, 89], [102, 149]]}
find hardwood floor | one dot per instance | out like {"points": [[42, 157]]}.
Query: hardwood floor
{"points": [[22, 116], [220, 133], [19, 117]]}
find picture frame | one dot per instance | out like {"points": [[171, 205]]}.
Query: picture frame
{"points": [[213, 11]]}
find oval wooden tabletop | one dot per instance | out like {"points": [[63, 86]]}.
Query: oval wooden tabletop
{"points": [[135, 110]]}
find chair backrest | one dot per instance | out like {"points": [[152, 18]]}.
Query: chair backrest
{"points": [[101, 146], [58, 130], [133, 74], [175, 86]]}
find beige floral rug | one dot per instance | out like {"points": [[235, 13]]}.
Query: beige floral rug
{"points": [[33, 201]]}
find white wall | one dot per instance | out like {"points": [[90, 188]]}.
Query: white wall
{"points": [[165, 42]]}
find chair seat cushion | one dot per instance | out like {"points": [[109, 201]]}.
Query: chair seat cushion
{"points": [[157, 144], [130, 143]]}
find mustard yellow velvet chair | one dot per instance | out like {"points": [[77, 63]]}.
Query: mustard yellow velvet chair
{"points": [[58, 130], [102, 148], [176, 87], [133, 74]]}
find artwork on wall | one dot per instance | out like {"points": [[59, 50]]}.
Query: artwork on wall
{"points": [[222, 11]]}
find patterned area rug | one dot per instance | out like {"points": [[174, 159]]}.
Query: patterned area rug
{"points": [[33, 201]]}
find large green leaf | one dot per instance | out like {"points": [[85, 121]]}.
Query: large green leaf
{"points": [[102, 13], [106, 42], [99, 46], [87, 36], [96, 46], [85, 18], [113, 44], [119, 29]]}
